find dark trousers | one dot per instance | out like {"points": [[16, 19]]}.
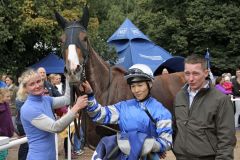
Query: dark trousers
{"points": [[23, 151], [187, 157], [65, 145]]}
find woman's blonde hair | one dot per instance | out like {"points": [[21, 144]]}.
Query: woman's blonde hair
{"points": [[3, 91], [51, 77], [25, 77]]}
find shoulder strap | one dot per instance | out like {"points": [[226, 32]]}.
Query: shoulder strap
{"points": [[149, 115]]}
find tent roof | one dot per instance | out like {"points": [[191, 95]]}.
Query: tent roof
{"points": [[134, 47], [52, 64], [144, 52], [127, 31]]}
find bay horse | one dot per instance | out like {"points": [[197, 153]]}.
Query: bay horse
{"points": [[108, 83]]}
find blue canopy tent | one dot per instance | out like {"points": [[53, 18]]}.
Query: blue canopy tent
{"points": [[134, 47], [52, 63], [174, 64]]}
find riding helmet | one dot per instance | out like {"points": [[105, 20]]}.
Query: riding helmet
{"points": [[139, 73]]}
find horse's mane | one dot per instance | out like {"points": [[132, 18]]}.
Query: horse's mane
{"points": [[119, 69]]}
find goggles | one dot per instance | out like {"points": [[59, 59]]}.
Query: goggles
{"points": [[135, 71]]}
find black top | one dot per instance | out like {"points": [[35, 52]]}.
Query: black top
{"points": [[236, 87]]}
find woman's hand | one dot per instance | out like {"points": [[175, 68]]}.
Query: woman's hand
{"points": [[81, 103], [86, 87]]}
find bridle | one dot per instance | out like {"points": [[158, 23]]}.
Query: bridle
{"points": [[72, 33], [72, 37]]}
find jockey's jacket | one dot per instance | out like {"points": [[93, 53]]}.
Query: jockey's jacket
{"points": [[130, 116]]}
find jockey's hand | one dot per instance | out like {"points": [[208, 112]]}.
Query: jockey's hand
{"points": [[86, 87]]}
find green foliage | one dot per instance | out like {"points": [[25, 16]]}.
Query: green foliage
{"points": [[29, 31]]}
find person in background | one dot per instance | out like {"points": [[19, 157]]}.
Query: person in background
{"points": [[37, 117], [23, 148], [13, 91], [4, 77], [49, 88], [59, 84], [227, 84], [141, 118], [78, 143], [6, 125], [53, 78], [165, 71], [219, 85], [203, 117], [236, 94], [2, 82]]}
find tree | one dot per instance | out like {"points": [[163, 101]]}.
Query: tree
{"points": [[29, 31]]}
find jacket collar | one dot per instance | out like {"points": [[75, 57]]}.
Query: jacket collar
{"points": [[206, 87]]}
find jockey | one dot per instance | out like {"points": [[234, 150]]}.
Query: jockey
{"points": [[145, 124]]}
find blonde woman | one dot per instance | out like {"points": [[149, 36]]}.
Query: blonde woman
{"points": [[37, 117]]}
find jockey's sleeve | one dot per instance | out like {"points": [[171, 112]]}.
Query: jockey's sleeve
{"points": [[102, 114], [45, 123], [164, 130], [156, 146], [58, 102]]}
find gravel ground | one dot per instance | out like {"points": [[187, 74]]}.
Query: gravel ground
{"points": [[88, 153]]}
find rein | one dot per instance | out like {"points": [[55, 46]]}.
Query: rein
{"points": [[75, 92], [109, 83]]}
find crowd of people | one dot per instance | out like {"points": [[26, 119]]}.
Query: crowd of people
{"points": [[230, 85], [200, 127]]}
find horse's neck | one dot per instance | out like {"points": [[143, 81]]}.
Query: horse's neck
{"points": [[108, 84], [98, 72]]}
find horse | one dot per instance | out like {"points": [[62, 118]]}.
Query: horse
{"points": [[108, 83]]}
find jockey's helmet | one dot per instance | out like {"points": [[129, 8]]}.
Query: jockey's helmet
{"points": [[139, 73]]}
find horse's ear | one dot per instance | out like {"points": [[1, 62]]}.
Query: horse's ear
{"points": [[85, 17], [61, 20]]}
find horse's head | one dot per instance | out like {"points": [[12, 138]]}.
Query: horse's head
{"points": [[75, 46]]}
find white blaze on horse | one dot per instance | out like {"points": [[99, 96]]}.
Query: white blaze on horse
{"points": [[108, 83]]}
